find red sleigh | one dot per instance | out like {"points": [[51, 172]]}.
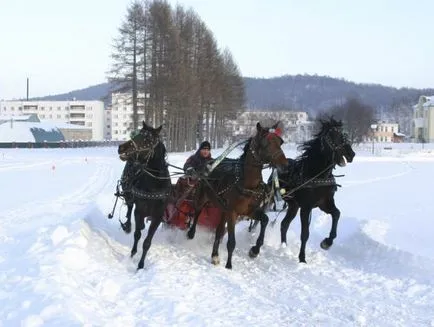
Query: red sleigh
{"points": [[180, 214]]}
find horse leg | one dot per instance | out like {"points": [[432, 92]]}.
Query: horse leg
{"points": [[254, 251], [126, 226], [155, 222], [192, 231], [305, 213], [334, 211], [139, 225], [220, 230], [289, 217], [231, 239]]}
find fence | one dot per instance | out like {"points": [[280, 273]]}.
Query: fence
{"points": [[56, 145]]}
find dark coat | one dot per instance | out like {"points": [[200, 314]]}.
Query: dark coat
{"points": [[196, 161]]}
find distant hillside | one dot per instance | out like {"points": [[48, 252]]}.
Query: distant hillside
{"points": [[314, 93], [95, 92], [301, 92]]}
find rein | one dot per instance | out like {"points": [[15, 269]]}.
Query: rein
{"points": [[308, 181]]}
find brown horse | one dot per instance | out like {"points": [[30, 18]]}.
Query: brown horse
{"points": [[236, 186], [151, 186]]}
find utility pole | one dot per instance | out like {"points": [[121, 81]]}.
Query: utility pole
{"points": [[27, 90]]}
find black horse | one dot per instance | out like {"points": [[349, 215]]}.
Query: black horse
{"points": [[236, 186], [310, 182], [150, 189]]}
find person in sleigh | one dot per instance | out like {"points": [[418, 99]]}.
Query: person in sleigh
{"points": [[194, 166], [196, 163]]}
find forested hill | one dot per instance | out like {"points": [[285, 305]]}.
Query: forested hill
{"points": [[314, 93], [300, 92]]}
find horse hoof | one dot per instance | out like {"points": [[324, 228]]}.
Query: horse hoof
{"points": [[324, 245], [126, 227], [133, 253], [252, 253], [228, 266], [215, 260], [302, 260], [190, 234], [140, 265], [283, 245]]}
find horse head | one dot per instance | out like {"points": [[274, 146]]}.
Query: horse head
{"points": [[141, 145], [265, 146], [335, 140]]}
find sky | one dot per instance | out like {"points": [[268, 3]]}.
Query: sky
{"points": [[63, 263], [66, 45]]}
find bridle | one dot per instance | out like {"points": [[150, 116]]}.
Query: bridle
{"points": [[270, 157], [334, 148], [332, 145], [150, 142]]}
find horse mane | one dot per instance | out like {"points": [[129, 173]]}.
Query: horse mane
{"points": [[157, 166], [245, 149], [313, 146]]}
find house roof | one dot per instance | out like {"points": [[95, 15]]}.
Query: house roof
{"points": [[429, 101], [24, 131]]}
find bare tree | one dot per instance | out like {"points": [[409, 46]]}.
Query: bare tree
{"points": [[171, 58], [126, 52], [356, 116]]}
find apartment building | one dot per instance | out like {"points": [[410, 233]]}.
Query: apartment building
{"points": [[122, 115], [88, 114]]}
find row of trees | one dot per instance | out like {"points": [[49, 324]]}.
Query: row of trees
{"points": [[177, 76]]}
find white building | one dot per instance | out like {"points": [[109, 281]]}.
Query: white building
{"points": [[122, 116], [423, 119], [89, 114], [296, 126]]}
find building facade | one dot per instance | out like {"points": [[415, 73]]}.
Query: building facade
{"points": [[386, 132], [423, 120], [89, 114], [296, 126], [122, 115]]}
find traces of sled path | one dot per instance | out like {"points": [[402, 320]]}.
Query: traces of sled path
{"points": [[359, 281], [54, 210]]}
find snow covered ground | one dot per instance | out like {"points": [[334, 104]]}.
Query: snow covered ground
{"points": [[63, 263]]}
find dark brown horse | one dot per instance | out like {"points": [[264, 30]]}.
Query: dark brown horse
{"points": [[236, 186], [151, 185], [310, 183]]}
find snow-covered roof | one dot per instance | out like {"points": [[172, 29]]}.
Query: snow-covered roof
{"points": [[429, 101], [23, 131]]}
